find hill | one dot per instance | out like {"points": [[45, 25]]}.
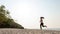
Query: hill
{"points": [[6, 21]]}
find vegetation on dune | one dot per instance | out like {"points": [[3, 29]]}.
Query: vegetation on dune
{"points": [[6, 21]]}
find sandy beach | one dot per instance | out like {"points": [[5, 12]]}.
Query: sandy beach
{"points": [[27, 31]]}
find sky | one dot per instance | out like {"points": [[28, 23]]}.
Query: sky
{"points": [[28, 12]]}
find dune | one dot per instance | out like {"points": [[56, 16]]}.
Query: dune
{"points": [[27, 31]]}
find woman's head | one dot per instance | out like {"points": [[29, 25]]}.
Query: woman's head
{"points": [[41, 17]]}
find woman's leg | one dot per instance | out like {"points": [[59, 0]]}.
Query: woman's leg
{"points": [[40, 26]]}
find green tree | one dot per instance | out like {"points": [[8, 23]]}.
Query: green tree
{"points": [[5, 21], [3, 14]]}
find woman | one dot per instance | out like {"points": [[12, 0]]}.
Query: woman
{"points": [[42, 24]]}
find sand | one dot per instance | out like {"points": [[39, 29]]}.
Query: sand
{"points": [[27, 31]]}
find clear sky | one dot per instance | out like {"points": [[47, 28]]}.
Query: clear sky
{"points": [[28, 12]]}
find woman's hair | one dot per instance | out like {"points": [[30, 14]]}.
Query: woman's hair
{"points": [[42, 17]]}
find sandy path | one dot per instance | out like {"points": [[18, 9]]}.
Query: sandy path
{"points": [[27, 31]]}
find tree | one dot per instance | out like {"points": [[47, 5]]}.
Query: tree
{"points": [[3, 14], [5, 21]]}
